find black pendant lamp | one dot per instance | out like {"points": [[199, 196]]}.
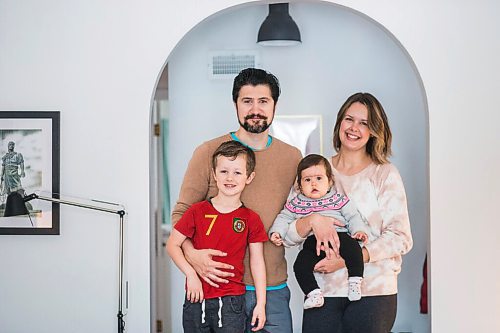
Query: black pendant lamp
{"points": [[279, 29]]}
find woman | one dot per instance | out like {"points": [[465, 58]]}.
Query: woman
{"points": [[362, 139]]}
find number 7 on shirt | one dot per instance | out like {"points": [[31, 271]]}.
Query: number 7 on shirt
{"points": [[213, 217]]}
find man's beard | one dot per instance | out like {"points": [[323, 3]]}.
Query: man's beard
{"points": [[256, 128]]}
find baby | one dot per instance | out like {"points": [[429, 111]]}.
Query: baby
{"points": [[318, 195]]}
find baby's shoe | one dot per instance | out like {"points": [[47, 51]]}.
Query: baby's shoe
{"points": [[354, 289], [314, 299]]}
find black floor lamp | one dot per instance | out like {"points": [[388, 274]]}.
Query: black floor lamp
{"points": [[16, 205]]}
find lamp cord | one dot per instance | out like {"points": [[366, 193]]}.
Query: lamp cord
{"points": [[29, 215]]}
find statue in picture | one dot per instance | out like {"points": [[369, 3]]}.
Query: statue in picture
{"points": [[12, 171]]}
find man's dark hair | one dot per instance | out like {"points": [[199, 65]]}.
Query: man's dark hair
{"points": [[231, 150], [254, 77]]}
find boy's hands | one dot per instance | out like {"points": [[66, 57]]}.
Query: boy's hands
{"points": [[258, 317], [360, 236], [276, 239], [194, 292]]}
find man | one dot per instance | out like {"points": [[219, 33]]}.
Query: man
{"points": [[255, 94], [12, 170]]}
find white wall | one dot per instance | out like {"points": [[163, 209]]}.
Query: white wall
{"points": [[342, 52], [97, 62], [86, 59]]}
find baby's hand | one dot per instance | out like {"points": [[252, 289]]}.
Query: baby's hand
{"points": [[276, 239], [360, 236], [194, 292]]}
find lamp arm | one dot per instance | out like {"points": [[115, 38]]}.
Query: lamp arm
{"points": [[72, 203], [121, 213]]}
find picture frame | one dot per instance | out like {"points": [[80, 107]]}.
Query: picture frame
{"points": [[302, 131], [30, 155]]}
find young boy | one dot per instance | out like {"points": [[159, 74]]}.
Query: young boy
{"points": [[225, 224]]}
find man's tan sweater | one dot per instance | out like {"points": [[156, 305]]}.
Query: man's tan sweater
{"points": [[266, 194]]}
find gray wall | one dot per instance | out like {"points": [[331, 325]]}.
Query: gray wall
{"points": [[342, 52]]}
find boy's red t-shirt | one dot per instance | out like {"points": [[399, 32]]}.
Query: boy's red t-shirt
{"points": [[230, 233]]}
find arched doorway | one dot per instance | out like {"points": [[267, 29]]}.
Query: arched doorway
{"points": [[343, 51]]}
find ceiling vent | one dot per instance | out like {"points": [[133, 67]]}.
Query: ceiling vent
{"points": [[227, 64]]}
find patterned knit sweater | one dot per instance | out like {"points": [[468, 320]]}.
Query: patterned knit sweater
{"points": [[380, 197], [274, 177], [332, 204]]}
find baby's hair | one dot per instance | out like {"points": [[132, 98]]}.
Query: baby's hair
{"points": [[232, 149], [313, 160]]}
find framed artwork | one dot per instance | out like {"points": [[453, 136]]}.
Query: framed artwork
{"points": [[302, 131], [29, 151]]}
